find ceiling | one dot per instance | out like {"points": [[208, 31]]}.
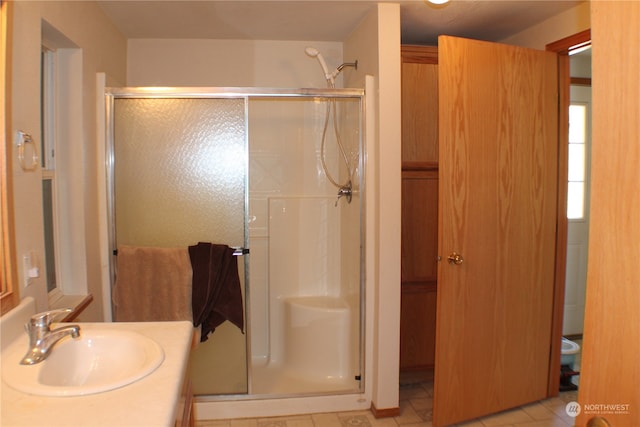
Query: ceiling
{"points": [[328, 20]]}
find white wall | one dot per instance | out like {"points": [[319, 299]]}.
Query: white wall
{"points": [[581, 65], [102, 48], [565, 24], [376, 45], [228, 63]]}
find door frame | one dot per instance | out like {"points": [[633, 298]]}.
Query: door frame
{"points": [[562, 47]]}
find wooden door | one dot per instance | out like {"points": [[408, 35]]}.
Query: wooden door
{"points": [[419, 209], [610, 366], [419, 269], [498, 189]]}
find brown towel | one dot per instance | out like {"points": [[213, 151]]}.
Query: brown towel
{"points": [[216, 291], [152, 284]]}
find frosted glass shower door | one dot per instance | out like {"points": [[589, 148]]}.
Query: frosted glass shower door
{"points": [[180, 168]]}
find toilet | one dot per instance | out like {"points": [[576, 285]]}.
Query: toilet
{"points": [[569, 351]]}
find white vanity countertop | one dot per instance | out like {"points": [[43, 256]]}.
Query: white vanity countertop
{"points": [[151, 401]]}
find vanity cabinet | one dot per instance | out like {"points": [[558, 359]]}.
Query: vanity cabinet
{"points": [[153, 400], [185, 415], [419, 207], [184, 410]]}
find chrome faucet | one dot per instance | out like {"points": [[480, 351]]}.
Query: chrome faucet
{"points": [[42, 338]]}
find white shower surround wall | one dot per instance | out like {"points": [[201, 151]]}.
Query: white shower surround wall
{"points": [[303, 289], [304, 255], [299, 237]]}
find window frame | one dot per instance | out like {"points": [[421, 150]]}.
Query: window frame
{"points": [[63, 151], [47, 150]]}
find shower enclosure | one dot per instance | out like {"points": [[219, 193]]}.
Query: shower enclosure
{"points": [[265, 172]]}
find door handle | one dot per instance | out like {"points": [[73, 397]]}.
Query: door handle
{"points": [[455, 258], [598, 422]]}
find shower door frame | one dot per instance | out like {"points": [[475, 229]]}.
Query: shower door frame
{"points": [[245, 93]]}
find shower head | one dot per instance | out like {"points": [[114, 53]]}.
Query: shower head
{"points": [[314, 53]]}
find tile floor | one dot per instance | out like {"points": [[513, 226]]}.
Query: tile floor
{"points": [[416, 401]]}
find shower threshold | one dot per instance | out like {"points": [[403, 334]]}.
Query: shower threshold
{"points": [[276, 379]]}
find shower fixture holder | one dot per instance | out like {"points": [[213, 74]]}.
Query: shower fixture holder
{"points": [[345, 191], [341, 66], [348, 64]]}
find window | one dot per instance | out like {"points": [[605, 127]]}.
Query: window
{"points": [[578, 132], [47, 148], [63, 166]]}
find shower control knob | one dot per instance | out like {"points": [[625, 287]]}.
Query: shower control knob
{"points": [[455, 258]]}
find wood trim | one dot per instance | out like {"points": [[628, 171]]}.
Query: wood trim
{"points": [[562, 48], [553, 387], [419, 174], [568, 44], [419, 106], [184, 409], [419, 166], [78, 309], [419, 54], [415, 286], [384, 413], [580, 81], [11, 297]]}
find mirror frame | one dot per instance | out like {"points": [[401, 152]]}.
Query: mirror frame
{"points": [[9, 295]]}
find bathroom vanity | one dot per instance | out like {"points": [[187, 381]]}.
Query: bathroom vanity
{"points": [[160, 398]]}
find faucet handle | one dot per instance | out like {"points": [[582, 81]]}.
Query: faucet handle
{"points": [[44, 319]]}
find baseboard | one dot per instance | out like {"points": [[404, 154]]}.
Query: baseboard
{"points": [[384, 413]]}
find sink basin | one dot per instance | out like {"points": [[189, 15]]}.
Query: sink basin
{"points": [[98, 361]]}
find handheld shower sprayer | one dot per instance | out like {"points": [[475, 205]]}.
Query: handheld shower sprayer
{"points": [[344, 190], [314, 53], [330, 77]]}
